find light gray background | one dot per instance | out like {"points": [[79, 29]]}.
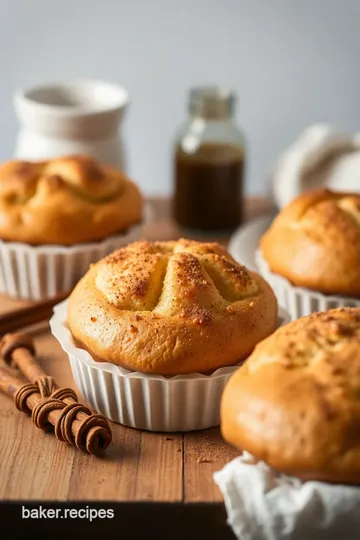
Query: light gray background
{"points": [[292, 62]]}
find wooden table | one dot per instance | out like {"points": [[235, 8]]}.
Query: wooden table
{"points": [[138, 466]]}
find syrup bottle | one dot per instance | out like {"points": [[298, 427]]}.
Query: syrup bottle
{"points": [[209, 162]]}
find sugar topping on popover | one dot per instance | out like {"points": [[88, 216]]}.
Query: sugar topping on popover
{"points": [[171, 308], [314, 242], [65, 201], [295, 403]]}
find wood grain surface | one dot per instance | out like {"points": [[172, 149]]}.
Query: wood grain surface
{"points": [[137, 466]]}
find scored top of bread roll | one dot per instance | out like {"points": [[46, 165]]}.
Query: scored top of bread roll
{"points": [[65, 201], [171, 308], [314, 242], [295, 403]]}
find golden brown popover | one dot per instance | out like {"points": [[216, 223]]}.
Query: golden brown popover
{"points": [[171, 308], [295, 403], [314, 242], [65, 201]]}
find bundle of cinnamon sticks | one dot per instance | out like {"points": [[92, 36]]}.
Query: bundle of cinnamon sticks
{"points": [[49, 406]]}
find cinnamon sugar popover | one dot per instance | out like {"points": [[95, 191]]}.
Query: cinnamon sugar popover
{"points": [[311, 252], [295, 403], [56, 217], [171, 308], [65, 201]]}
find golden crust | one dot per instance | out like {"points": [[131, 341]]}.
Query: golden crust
{"points": [[314, 242], [171, 308], [295, 403], [65, 201]]}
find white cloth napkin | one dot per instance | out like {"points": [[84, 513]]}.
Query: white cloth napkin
{"points": [[320, 156], [264, 505]]}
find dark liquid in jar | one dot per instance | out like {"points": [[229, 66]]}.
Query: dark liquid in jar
{"points": [[208, 188]]}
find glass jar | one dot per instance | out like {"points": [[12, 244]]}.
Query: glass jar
{"points": [[209, 164]]}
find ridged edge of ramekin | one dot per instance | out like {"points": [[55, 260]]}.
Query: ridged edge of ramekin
{"points": [[149, 402], [299, 301], [39, 272]]}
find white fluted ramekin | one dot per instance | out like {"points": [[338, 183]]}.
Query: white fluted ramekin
{"points": [[142, 401], [299, 301], [39, 272]]}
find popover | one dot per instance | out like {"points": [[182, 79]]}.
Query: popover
{"points": [[171, 308], [65, 201], [314, 242], [295, 403]]}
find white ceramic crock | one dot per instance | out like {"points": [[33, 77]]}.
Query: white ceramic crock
{"points": [[145, 401], [299, 301], [80, 117]]}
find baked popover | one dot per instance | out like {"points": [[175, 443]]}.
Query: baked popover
{"points": [[314, 242], [295, 403], [65, 201], [171, 308]]}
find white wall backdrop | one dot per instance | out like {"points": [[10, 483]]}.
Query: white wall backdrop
{"points": [[291, 62]]}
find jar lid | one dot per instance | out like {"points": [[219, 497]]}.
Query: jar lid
{"points": [[211, 102]]}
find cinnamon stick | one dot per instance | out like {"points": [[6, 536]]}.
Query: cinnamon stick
{"points": [[90, 435], [29, 315], [48, 403]]}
